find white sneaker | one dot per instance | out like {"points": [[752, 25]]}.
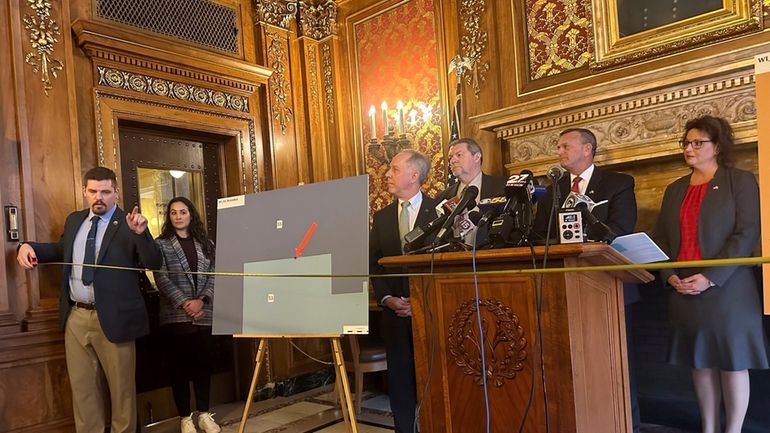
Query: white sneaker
{"points": [[187, 425], [207, 423]]}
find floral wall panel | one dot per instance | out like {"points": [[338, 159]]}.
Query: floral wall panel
{"points": [[397, 60], [558, 36]]}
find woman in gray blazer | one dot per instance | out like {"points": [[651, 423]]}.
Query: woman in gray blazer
{"points": [[186, 309], [715, 312]]}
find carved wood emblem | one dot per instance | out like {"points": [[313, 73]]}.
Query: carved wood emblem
{"points": [[280, 88], [43, 32], [504, 342]]}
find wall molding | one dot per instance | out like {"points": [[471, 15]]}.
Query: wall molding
{"points": [[644, 125]]}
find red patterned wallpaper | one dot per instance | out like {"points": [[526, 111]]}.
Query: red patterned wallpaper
{"points": [[397, 60], [558, 36]]}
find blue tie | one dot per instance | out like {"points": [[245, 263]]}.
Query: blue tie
{"points": [[90, 254]]}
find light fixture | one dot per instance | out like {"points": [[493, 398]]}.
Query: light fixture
{"points": [[394, 138], [176, 174]]}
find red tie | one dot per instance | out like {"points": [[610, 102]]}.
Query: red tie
{"points": [[576, 185]]}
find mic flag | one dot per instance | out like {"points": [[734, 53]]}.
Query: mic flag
{"points": [[595, 229], [416, 238], [492, 205], [574, 199], [467, 201]]}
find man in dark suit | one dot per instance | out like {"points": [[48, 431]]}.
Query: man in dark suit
{"points": [[576, 149], [408, 170], [102, 310], [465, 158]]}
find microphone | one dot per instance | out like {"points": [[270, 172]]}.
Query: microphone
{"points": [[446, 206], [415, 238], [519, 189], [493, 205], [475, 217], [595, 229], [555, 173], [485, 217], [467, 201]]}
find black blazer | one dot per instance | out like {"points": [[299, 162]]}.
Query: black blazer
{"points": [[491, 186], [619, 213], [384, 241], [119, 302]]}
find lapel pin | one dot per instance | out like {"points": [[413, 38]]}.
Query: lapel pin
{"points": [[715, 187], [591, 192], [114, 223]]}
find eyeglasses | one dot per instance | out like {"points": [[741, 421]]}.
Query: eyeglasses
{"points": [[696, 144]]}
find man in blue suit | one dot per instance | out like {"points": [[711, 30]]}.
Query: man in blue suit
{"points": [[102, 310]]}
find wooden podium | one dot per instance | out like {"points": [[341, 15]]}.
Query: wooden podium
{"points": [[583, 332]]}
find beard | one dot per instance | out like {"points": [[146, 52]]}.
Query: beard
{"points": [[99, 207]]}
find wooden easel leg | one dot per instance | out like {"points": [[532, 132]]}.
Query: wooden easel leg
{"points": [[259, 358], [348, 412]]}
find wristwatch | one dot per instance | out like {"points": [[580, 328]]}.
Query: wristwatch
{"points": [[712, 284], [204, 299]]}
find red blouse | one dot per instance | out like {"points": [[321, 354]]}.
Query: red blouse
{"points": [[689, 247]]}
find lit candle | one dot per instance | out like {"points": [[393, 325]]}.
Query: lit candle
{"points": [[385, 116], [372, 123], [400, 120], [413, 117]]}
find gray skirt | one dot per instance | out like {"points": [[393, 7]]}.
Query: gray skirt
{"points": [[720, 328]]}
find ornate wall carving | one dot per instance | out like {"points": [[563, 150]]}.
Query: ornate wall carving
{"points": [[277, 13], [318, 21], [312, 62], [328, 82], [473, 42], [504, 343], [558, 36], [43, 32], [653, 120], [118, 79], [101, 148], [279, 85]]}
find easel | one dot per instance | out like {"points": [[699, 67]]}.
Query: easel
{"points": [[348, 413]]}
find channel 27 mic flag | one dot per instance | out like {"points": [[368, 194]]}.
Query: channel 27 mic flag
{"points": [[321, 228]]}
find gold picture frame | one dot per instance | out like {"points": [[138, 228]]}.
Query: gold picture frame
{"points": [[612, 48]]}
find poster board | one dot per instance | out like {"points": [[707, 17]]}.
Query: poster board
{"points": [[762, 76], [320, 228]]}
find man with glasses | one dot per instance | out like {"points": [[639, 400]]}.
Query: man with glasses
{"points": [[465, 158]]}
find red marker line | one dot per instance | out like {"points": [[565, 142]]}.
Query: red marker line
{"points": [[303, 244]]}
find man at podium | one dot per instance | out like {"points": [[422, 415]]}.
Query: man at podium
{"points": [[408, 170], [576, 149]]}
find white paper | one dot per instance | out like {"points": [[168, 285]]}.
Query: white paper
{"points": [[639, 248]]}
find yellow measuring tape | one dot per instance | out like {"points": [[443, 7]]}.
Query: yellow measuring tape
{"points": [[743, 261]]}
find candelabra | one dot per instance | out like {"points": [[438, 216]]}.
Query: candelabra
{"points": [[394, 139], [383, 151]]}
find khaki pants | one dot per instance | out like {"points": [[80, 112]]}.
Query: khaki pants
{"points": [[91, 358]]}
